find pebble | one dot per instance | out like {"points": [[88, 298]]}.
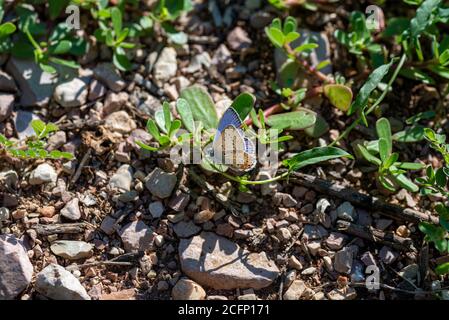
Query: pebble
{"points": [[71, 210], [6, 105], [108, 225], [203, 216], [295, 291], [156, 209], [260, 19], [72, 250], [308, 271], [238, 39], [7, 83], [4, 214], [114, 102], [388, 255], [16, 269], [186, 289], [342, 294], [347, 212], [96, 90], [122, 295], [166, 65], [160, 183], [219, 263], [314, 247], [368, 259], [72, 93], [108, 74], [122, 179], [179, 201], [335, 241], [294, 263], [57, 283], [314, 232], [43, 173], [410, 272], [328, 264], [136, 236], [36, 86], [186, 229], [343, 260], [120, 122], [22, 123], [9, 178]]}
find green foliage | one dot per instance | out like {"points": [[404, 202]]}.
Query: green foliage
{"points": [[359, 40], [338, 95], [34, 147], [6, 29], [113, 34], [391, 171], [202, 106], [313, 156]]}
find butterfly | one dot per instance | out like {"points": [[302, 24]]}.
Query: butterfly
{"points": [[230, 145]]}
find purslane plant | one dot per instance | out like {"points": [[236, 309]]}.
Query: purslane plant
{"points": [[435, 183], [391, 171], [34, 146], [6, 29]]}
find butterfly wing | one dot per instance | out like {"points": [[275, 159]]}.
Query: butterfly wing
{"points": [[229, 118]]}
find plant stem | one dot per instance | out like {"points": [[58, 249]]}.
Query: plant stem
{"points": [[376, 103], [306, 66]]}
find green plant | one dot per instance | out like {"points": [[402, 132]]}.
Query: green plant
{"points": [[435, 183], [198, 116], [286, 4], [60, 42], [113, 34], [6, 29], [34, 146], [391, 171], [359, 40]]}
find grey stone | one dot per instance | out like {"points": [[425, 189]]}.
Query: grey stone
{"points": [[166, 65], [36, 86], [295, 291], [122, 179], [156, 209], [347, 212], [238, 39], [335, 241], [71, 210], [22, 123], [136, 236], [43, 173], [120, 122], [343, 260], [108, 74], [186, 229], [160, 183], [16, 270], [9, 178], [108, 225], [219, 263], [6, 105], [186, 289], [314, 232], [57, 283], [7, 83], [260, 19], [179, 201], [388, 255], [72, 93], [368, 259], [72, 250], [96, 90]]}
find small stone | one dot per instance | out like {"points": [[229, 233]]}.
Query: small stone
{"points": [[72, 93], [219, 263], [328, 264], [122, 179], [294, 263], [308, 271], [314, 232], [6, 105], [238, 39], [186, 289], [410, 272], [166, 66], [368, 259], [314, 247], [120, 122], [9, 178], [4, 214], [284, 234], [128, 294], [57, 283], [383, 224], [72, 250], [43, 173], [343, 260], [160, 183], [96, 90], [179, 201], [7, 83], [156, 209], [335, 241], [186, 229], [260, 19], [114, 102], [136, 236], [403, 231], [289, 201], [299, 192], [108, 74], [47, 211], [243, 234], [342, 294], [16, 269], [295, 291], [364, 218], [203, 216], [388, 255], [71, 210], [347, 212], [108, 225]]}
